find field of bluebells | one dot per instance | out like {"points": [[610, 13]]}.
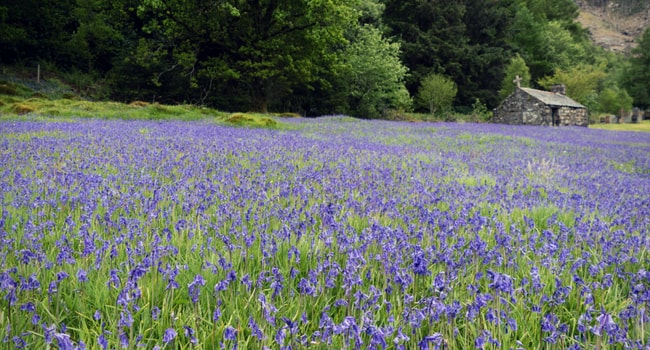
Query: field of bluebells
{"points": [[328, 233]]}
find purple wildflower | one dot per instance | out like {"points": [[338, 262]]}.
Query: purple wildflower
{"points": [[64, 342], [195, 288], [82, 276], [169, 335], [230, 333]]}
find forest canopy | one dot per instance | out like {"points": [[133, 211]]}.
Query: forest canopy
{"points": [[314, 57]]}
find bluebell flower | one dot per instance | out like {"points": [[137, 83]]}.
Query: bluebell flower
{"points": [[255, 329], [216, 314], [434, 341], [189, 333], [604, 324], [194, 288], [169, 335], [229, 333], [124, 339], [64, 342], [102, 341], [114, 279], [19, 342]]}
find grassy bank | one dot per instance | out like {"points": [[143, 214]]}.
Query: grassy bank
{"points": [[53, 100]]}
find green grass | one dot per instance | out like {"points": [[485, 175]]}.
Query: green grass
{"points": [[16, 108], [643, 126], [18, 102], [53, 100]]}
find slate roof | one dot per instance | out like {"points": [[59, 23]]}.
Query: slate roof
{"points": [[552, 99]]}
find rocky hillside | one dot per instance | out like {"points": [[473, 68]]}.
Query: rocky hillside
{"points": [[615, 24]]}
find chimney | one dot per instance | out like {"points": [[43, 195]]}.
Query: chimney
{"points": [[559, 89]]}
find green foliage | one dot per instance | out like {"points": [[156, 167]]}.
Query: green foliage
{"points": [[555, 10], [97, 40], [581, 81], [13, 89], [375, 76], [612, 100], [303, 55], [35, 29], [516, 67], [463, 40], [480, 111], [371, 11], [560, 47], [637, 77], [437, 93], [260, 49], [546, 35]]}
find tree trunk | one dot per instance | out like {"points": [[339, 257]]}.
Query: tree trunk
{"points": [[260, 96]]}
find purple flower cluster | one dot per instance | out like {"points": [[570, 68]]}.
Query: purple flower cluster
{"points": [[329, 233]]}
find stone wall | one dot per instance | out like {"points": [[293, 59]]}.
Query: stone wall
{"points": [[573, 116], [521, 108]]}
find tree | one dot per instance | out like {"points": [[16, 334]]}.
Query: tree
{"points": [[516, 68], [431, 35], [375, 76], [33, 30], [548, 38], [581, 81], [464, 40], [437, 92], [637, 77], [488, 52], [612, 100], [560, 47], [259, 49], [96, 41]]}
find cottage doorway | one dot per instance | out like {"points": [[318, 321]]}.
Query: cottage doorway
{"points": [[555, 113]]}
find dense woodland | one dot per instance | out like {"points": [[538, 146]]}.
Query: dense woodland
{"points": [[366, 58]]}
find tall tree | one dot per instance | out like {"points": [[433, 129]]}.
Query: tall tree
{"points": [[461, 39], [375, 74], [36, 30], [547, 36], [488, 23], [97, 38], [516, 68], [261, 48], [431, 34], [612, 100], [581, 82], [637, 77]]}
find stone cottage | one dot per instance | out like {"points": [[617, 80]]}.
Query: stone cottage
{"points": [[528, 106]]}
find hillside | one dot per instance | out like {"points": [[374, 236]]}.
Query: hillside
{"points": [[614, 25]]}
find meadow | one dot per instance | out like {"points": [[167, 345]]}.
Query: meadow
{"points": [[325, 233]]}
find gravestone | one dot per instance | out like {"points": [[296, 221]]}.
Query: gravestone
{"points": [[623, 116], [636, 115]]}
